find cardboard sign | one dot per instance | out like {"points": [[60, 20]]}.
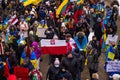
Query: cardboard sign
{"points": [[111, 38], [41, 32], [113, 66]]}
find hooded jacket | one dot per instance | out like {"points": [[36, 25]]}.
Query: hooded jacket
{"points": [[36, 49]]}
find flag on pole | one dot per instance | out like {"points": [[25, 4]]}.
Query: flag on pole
{"points": [[13, 20], [53, 47]]}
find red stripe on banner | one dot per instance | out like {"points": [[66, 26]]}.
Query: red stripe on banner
{"points": [[14, 19], [55, 50]]}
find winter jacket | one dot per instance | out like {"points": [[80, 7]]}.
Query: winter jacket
{"points": [[52, 73], [71, 65]]}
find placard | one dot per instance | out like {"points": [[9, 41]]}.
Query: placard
{"points": [[111, 38], [113, 66], [41, 32]]}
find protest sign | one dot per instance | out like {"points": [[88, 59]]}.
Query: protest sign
{"points": [[111, 38], [41, 32], [113, 66]]}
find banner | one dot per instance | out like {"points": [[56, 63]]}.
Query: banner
{"points": [[113, 66], [53, 47], [111, 38], [41, 32]]}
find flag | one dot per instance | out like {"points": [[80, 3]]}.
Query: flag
{"points": [[66, 9], [111, 55], [53, 47], [78, 13], [28, 2], [36, 2], [28, 18], [104, 36], [13, 20], [62, 7], [80, 1]]}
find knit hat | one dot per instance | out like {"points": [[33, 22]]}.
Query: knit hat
{"points": [[56, 62]]}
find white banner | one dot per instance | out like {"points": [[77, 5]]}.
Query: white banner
{"points": [[41, 32], [113, 66]]}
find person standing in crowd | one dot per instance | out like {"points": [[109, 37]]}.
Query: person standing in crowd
{"points": [[53, 70], [92, 60], [81, 40], [37, 52], [70, 63], [95, 44], [81, 60]]}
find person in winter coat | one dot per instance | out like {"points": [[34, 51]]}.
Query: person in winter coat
{"points": [[81, 60], [81, 40], [49, 32], [95, 44], [92, 60], [97, 29], [71, 64], [37, 51], [53, 70]]}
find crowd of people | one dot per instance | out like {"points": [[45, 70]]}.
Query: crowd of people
{"points": [[20, 44]]}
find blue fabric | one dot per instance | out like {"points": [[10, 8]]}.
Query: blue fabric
{"points": [[84, 42], [112, 73], [23, 55], [33, 56]]}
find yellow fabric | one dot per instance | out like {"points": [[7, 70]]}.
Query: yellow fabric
{"points": [[86, 61], [80, 2], [111, 55], [45, 26], [0, 26], [61, 7], [28, 2], [37, 2], [34, 63], [21, 60]]}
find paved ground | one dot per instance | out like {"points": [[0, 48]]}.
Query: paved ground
{"points": [[85, 74]]}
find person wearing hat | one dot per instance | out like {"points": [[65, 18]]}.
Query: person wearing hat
{"points": [[92, 60], [53, 70]]}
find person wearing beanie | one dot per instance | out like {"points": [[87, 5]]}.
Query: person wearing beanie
{"points": [[53, 70]]}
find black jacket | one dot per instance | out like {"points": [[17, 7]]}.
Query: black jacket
{"points": [[71, 65], [52, 73]]}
